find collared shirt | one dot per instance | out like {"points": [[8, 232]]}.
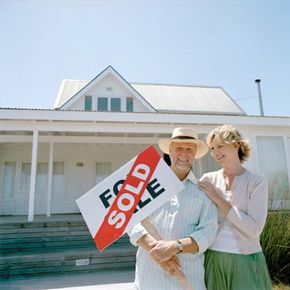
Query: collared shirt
{"points": [[189, 213]]}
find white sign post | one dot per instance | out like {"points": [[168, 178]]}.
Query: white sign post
{"points": [[127, 197]]}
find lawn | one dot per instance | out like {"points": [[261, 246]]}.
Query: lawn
{"points": [[281, 287], [275, 241]]}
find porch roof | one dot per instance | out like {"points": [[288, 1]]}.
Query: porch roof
{"points": [[81, 121]]}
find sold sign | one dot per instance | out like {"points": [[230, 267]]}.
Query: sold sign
{"points": [[128, 196], [127, 199]]}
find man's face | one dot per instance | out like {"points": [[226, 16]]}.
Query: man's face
{"points": [[182, 155]]}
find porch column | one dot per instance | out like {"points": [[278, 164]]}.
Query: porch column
{"points": [[50, 174], [33, 176]]}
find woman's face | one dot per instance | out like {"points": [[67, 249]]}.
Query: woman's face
{"points": [[224, 153]]}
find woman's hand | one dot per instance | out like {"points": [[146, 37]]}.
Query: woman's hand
{"points": [[209, 189], [216, 196]]}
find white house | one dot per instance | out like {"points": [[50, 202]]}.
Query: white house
{"points": [[50, 157]]}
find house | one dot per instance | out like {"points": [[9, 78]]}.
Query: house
{"points": [[50, 157]]}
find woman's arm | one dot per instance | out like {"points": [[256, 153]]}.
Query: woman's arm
{"points": [[250, 223]]}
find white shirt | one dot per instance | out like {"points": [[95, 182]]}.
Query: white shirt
{"points": [[189, 213], [225, 240]]}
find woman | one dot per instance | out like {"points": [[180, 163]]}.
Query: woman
{"points": [[235, 260]]}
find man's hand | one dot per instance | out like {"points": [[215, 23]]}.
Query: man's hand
{"points": [[172, 266], [162, 251]]}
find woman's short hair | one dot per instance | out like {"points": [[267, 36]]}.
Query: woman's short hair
{"points": [[231, 135]]}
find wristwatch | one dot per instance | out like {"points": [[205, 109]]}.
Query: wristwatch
{"points": [[179, 247]]}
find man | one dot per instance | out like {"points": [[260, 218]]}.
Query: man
{"points": [[187, 224]]}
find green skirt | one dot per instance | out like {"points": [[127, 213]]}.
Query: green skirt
{"points": [[226, 271]]}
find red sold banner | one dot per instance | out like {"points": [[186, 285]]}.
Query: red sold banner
{"points": [[127, 196]]}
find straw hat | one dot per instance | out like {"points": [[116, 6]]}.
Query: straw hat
{"points": [[184, 135]]}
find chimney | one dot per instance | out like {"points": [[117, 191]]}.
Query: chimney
{"points": [[260, 97]]}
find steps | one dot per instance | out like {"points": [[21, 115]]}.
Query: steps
{"points": [[57, 247]]}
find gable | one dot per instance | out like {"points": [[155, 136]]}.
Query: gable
{"points": [[108, 86]]}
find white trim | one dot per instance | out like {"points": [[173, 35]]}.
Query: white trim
{"points": [[20, 116]]}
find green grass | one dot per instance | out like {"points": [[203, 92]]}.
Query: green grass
{"points": [[275, 241], [281, 287]]}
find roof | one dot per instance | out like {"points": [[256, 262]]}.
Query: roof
{"points": [[195, 99], [67, 89], [158, 97]]}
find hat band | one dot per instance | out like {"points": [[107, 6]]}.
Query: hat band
{"points": [[183, 137]]}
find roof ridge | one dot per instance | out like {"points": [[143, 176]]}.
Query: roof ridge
{"points": [[175, 85], [154, 84]]}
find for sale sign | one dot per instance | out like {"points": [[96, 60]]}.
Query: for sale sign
{"points": [[128, 196]]}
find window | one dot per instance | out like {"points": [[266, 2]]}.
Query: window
{"points": [[88, 103], [25, 176], [102, 104], [129, 104], [41, 176], [272, 163], [58, 178], [103, 170], [8, 180], [115, 105]]}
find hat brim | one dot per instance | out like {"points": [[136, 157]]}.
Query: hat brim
{"points": [[201, 146]]}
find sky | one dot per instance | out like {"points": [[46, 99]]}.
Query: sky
{"points": [[223, 43]]}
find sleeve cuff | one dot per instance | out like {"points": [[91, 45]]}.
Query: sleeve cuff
{"points": [[204, 241], [136, 233]]}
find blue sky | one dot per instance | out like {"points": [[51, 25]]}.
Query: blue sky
{"points": [[226, 43]]}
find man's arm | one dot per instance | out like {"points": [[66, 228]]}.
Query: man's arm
{"points": [[196, 242], [146, 241], [204, 234]]}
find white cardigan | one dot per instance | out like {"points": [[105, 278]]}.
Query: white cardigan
{"points": [[250, 206]]}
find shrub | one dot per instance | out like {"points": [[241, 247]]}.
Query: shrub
{"points": [[275, 241]]}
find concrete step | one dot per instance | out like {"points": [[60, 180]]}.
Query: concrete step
{"points": [[67, 261], [101, 280], [47, 248], [43, 236]]}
